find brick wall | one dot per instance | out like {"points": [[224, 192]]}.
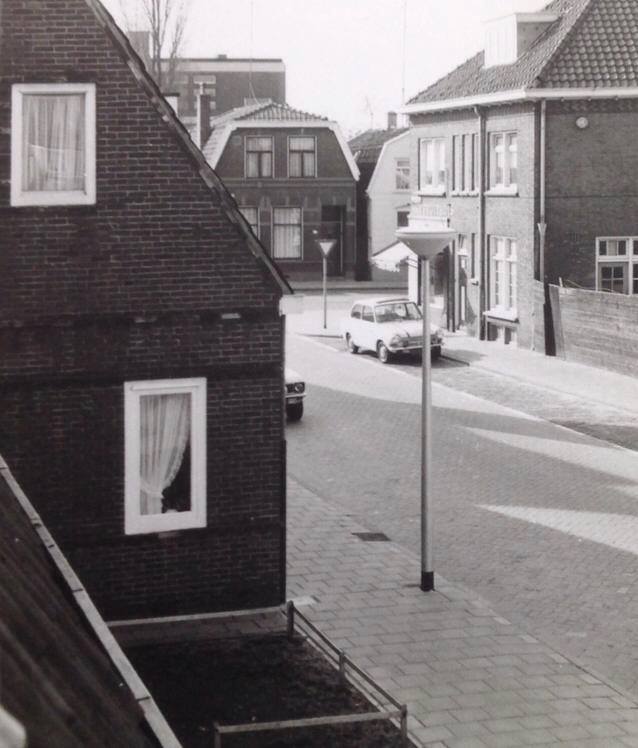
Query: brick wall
{"points": [[509, 216], [134, 288], [596, 328], [591, 183]]}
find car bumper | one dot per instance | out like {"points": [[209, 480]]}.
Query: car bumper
{"points": [[293, 399], [411, 347]]}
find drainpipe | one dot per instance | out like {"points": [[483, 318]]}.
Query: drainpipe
{"points": [[482, 252], [542, 226]]}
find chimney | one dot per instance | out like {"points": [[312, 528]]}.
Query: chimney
{"points": [[203, 119], [141, 43], [392, 120]]}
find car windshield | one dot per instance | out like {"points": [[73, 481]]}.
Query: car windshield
{"points": [[396, 311]]}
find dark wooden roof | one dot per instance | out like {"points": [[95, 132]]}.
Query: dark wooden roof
{"points": [[57, 679]]}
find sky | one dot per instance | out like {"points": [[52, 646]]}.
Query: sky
{"points": [[345, 58]]}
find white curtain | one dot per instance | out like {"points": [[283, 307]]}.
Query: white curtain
{"points": [[165, 424], [287, 233], [53, 142]]}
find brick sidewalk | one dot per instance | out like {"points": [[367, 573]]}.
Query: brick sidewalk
{"points": [[470, 678]]}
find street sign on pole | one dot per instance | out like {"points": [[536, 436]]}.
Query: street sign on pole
{"points": [[325, 247]]}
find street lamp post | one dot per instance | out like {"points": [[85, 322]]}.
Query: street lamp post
{"points": [[325, 247], [426, 242]]}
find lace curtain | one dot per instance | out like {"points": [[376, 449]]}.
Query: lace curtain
{"points": [[165, 424], [287, 233], [53, 142]]}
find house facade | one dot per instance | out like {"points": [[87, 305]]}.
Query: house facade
{"points": [[294, 179], [383, 158], [527, 146], [141, 366]]}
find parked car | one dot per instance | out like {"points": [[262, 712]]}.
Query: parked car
{"points": [[388, 326], [295, 393]]}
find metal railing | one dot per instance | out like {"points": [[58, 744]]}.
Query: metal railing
{"points": [[348, 672]]}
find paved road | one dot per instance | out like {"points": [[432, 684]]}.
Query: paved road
{"points": [[540, 520]]}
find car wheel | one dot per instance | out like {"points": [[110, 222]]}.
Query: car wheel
{"points": [[294, 411], [352, 348], [435, 353], [382, 352]]}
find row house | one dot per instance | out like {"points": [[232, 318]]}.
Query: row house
{"points": [[141, 340], [294, 179], [383, 190], [529, 146]]}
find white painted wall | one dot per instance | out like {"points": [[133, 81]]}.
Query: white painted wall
{"points": [[383, 197]]}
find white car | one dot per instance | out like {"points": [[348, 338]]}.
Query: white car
{"points": [[295, 393], [388, 326]]}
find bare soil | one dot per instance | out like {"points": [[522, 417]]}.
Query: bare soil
{"points": [[255, 679]]}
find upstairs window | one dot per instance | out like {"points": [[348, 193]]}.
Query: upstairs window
{"points": [[53, 144], [465, 159], [165, 455], [432, 165], [503, 162], [402, 174], [302, 157], [259, 157]]}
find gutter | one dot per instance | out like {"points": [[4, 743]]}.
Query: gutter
{"points": [[154, 717], [521, 94], [542, 225]]}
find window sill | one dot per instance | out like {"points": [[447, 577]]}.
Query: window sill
{"points": [[504, 316], [511, 191], [464, 193], [432, 191]]}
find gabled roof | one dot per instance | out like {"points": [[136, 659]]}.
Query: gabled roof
{"points": [[208, 175], [268, 114], [64, 677], [592, 45], [367, 145]]}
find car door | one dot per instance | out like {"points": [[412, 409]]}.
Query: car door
{"points": [[368, 334]]}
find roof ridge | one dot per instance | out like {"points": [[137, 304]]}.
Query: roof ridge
{"points": [[580, 16], [285, 105]]}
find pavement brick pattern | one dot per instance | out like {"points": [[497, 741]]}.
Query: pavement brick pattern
{"points": [[470, 677]]}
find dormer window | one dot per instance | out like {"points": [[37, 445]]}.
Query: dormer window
{"points": [[508, 38]]}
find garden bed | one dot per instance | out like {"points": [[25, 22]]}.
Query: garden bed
{"points": [[255, 679]]}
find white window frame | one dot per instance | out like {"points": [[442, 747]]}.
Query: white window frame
{"points": [[438, 186], [21, 197], [505, 251], [401, 164], [303, 176], [272, 229], [629, 261], [134, 521], [507, 186], [247, 138]]}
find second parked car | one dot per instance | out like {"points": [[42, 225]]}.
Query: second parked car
{"points": [[388, 326]]}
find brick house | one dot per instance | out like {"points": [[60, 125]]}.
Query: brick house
{"points": [[383, 190], [141, 366], [531, 145], [294, 179]]}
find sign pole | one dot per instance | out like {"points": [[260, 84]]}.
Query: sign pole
{"points": [[427, 556], [325, 292]]}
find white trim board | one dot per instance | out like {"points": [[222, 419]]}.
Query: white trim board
{"points": [[520, 94], [228, 129]]}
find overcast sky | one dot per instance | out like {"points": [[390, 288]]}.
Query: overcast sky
{"points": [[344, 58]]}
